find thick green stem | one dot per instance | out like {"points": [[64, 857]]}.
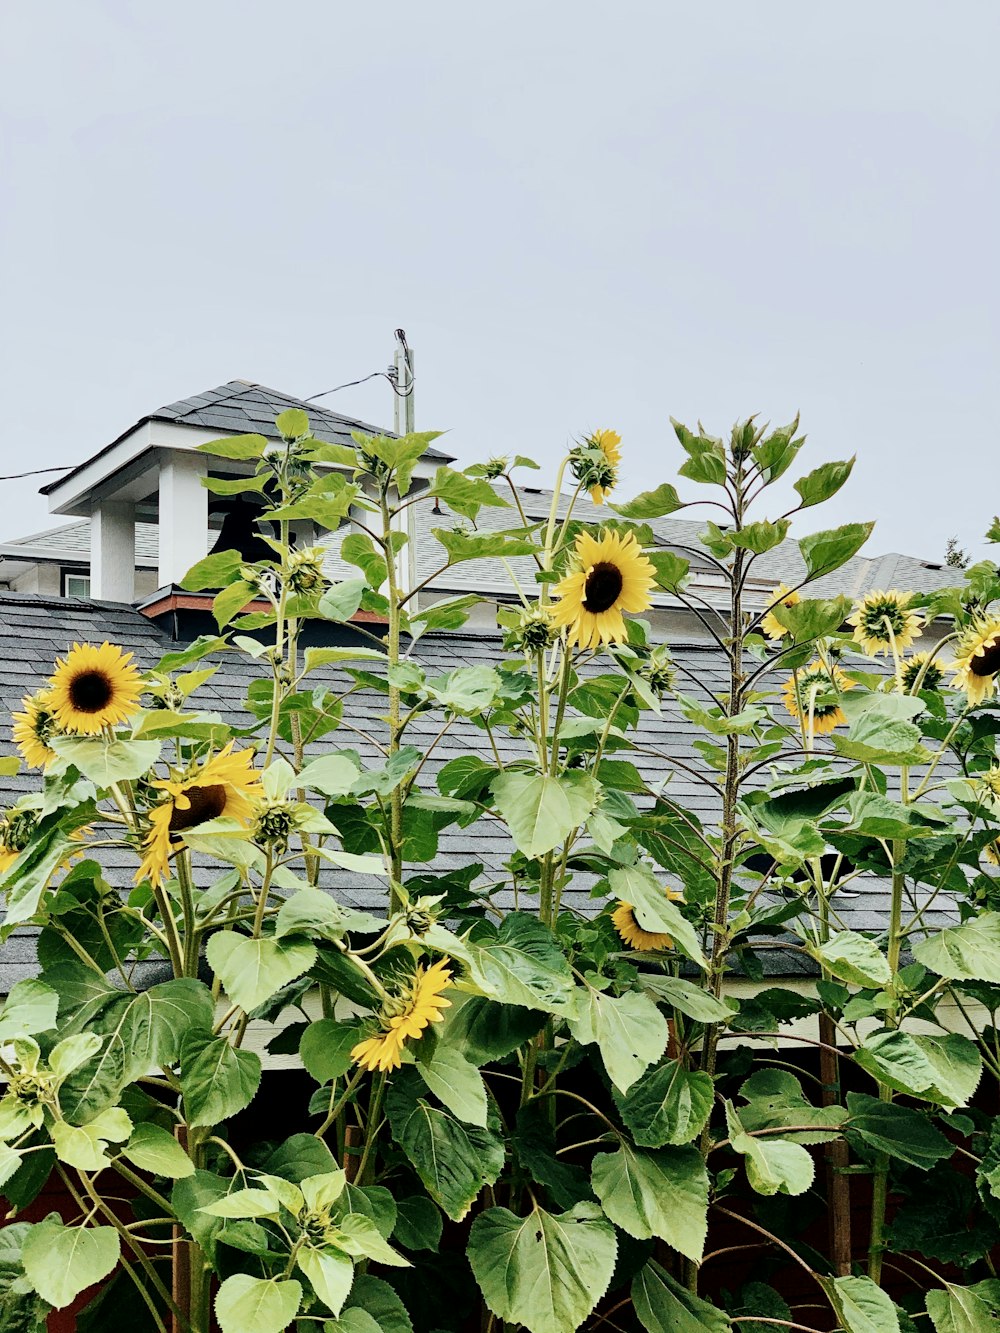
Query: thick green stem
{"points": [[395, 710]]}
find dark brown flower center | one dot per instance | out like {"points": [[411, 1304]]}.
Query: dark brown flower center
{"points": [[602, 587], [90, 691], [989, 663], [206, 803]]}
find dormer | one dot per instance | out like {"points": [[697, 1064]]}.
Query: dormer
{"points": [[153, 475]]}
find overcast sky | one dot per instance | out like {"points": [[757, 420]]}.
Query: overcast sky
{"points": [[582, 214]]}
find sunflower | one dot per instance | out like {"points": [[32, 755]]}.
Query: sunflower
{"points": [[610, 575], [227, 784], [94, 688], [17, 826], [814, 683], [782, 595], [992, 852], [608, 441], [649, 941], [977, 661], [910, 670], [34, 728], [405, 1017], [883, 622]]}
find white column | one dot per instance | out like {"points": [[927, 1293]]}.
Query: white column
{"points": [[112, 551], [183, 515]]}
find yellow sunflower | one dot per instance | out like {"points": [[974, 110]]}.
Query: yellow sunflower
{"points": [[610, 575], [648, 941], [405, 1018], [608, 441], [34, 728], [882, 619], [94, 688], [992, 852], [977, 661], [782, 595], [227, 784], [816, 683], [910, 671]]}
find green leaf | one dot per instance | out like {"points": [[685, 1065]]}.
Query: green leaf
{"points": [[245, 1304], [461, 545], [860, 1305], [326, 1047], [706, 467], [776, 1101], [418, 1224], [688, 998], [231, 600], [944, 1069], [454, 1160], [31, 1008], [880, 731], [664, 1306], [235, 446], [900, 1131], [629, 1030], [202, 647], [330, 1274], [61, 1261], [342, 601], [106, 762], [853, 958], [974, 1309], [813, 617], [85, 1147], [662, 1194], [51, 846], [216, 1080], [215, 571], [141, 1033], [317, 657], [466, 495], [245, 1203], [671, 570], [331, 774], [376, 1298], [776, 453], [252, 970], [454, 1080], [542, 810], [545, 1271], [524, 964], [293, 423], [485, 1031], [969, 952], [654, 911], [651, 504], [156, 1150], [10, 765], [669, 1104], [823, 552], [400, 454], [450, 613], [314, 912], [760, 537], [774, 1166], [823, 482]]}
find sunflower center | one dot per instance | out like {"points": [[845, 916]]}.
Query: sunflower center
{"points": [[90, 691], [602, 587], [206, 803], [988, 662]]}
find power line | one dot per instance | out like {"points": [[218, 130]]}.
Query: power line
{"points": [[37, 472]]}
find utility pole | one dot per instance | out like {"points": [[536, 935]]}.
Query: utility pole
{"points": [[403, 378]]}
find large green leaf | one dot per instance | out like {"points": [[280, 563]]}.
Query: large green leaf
{"points": [[154, 1149], [663, 1193], [325, 1048], [481, 545], [331, 1275], [689, 998], [485, 1031], [216, 1079], [823, 552], [669, 1104], [776, 1101], [654, 911], [21, 1309], [900, 1131], [664, 1306], [252, 970], [375, 1297], [541, 810], [245, 1304], [454, 1160], [823, 482], [629, 1030], [861, 1306], [774, 1165], [651, 504], [851, 957], [244, 447], [944, 1069], [141, 1033], [969, 952], [51, 846], [545, 1271], [31, 1008], [523, 964], [105, 762], [974, 1309], [454, 1081], [881, 730], [61, 1261]]}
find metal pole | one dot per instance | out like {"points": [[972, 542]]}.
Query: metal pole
{"points": [[403, 408]]}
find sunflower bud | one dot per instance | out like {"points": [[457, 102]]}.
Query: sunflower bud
{"points": [[304, 571], [594, 463], [533, 633], [274, 827], [16, 829], [658, 670], [496, 467]]}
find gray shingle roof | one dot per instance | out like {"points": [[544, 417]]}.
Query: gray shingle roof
{"points": [[33, 630]]}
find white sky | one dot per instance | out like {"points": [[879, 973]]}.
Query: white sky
{"points": [[583, 214]]}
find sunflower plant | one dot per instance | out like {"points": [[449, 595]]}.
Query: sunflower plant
{"points": [[551, 1090]]}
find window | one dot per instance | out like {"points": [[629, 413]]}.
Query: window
{"points": [[75, 584]]}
